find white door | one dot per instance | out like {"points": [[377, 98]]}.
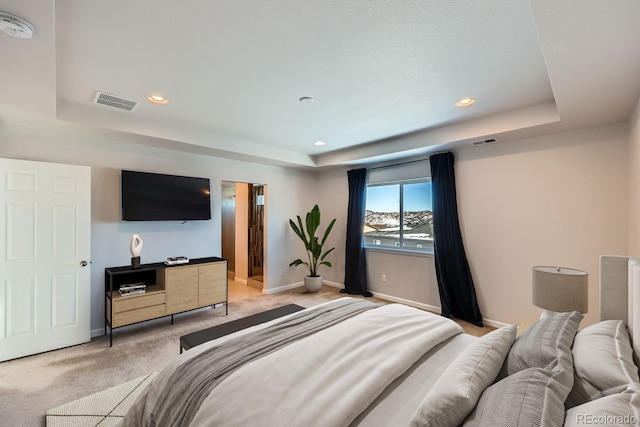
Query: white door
{"points": [[45, 226]]}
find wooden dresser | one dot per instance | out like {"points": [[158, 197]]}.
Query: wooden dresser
{"points": [[171, 289]]}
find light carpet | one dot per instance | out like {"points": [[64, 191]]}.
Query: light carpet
{"points": [[102, 409], [29, 386]]}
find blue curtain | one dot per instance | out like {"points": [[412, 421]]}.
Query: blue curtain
{"points": [[355, 266], [457, 292]]}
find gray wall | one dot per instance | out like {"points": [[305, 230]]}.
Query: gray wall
{"points": [[290, 192]]}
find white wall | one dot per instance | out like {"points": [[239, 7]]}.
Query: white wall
{"points": [[332, 198], [634, 182], [558, 200], [554, 200], [290, 192]]}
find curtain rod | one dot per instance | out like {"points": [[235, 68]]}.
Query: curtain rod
{"points": [[398, 164], [405, 163]]}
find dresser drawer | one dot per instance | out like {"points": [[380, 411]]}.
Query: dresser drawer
{"points": [[138, 315], [134, 302]]}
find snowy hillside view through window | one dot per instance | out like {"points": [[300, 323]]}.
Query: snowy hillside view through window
{"points": [[399, 216]]}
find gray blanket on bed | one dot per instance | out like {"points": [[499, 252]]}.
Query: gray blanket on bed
{"points": [[192, 382]]}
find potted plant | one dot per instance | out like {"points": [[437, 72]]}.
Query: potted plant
{"points": [[316, 258]]}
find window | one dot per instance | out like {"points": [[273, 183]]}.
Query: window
{"points": [[399, 216]]}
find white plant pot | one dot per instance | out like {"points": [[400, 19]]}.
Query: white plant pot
{"points": [[313, 284]]}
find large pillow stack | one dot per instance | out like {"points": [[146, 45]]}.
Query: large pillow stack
{"points": [[603, 360], [606, 387], [456, 392], [537, 377], [550, 367], [621, 408]]}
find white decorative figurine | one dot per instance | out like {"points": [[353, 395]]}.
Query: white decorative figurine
{"points": [[136, 248]]}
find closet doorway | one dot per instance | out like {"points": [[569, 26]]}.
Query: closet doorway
{"points": [[243, 241]]}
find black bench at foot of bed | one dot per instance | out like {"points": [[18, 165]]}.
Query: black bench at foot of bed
{"points": [[196, 338]]}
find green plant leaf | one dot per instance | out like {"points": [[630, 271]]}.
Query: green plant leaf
{"points": [[307, 233], [313, 221], [302, 234], [300, 262], [325, 254], [326, 233], [315, 247], [296, 230]]}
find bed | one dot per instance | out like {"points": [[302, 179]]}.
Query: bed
{"points": [[352, 362]]}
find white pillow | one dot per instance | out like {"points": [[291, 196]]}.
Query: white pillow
{"points": [[546, 344], [456, 392], [531, 397], [602, 360], [616, 409]]}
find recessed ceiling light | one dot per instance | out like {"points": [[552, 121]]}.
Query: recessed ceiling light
{"points": [[158, 99], [306, 100], [319, 143], [465, 102]]}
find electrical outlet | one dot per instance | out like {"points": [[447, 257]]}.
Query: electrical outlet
{"points": [[384, 278], [280, 273]]}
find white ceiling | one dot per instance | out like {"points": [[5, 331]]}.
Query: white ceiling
{"points": [[384, 74]]}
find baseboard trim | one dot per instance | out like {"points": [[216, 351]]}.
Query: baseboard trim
{"points": [[494, 323], [282, 288], [97, 332], [333, 284], [391, 298], [427, 307]]}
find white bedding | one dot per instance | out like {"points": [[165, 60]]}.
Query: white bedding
{"points": [[326, 379], [375, 369], [396, 405]]}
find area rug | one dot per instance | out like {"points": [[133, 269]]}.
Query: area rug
{"points": [[101, 409]]}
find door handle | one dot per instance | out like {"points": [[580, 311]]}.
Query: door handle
{"points": [[84, 263]]}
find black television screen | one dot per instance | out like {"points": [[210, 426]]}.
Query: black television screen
{"points": [[158, 197]]}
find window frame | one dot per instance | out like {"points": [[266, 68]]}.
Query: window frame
{"points": [[399, 249]]}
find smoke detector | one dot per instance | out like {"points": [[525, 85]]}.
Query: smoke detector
{"points": [[16, 27]]}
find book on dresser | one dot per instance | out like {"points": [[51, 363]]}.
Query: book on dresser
{"points": [[132, 288]]}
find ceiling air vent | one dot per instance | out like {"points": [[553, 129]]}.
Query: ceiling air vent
{"points": [[484, 142], [114, 101]]}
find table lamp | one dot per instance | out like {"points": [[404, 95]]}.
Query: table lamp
{"points": [[560, 289]]}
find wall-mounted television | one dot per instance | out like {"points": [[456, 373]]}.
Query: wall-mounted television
{"points": [[158, 197]]}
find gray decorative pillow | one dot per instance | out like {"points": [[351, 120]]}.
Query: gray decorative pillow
{"points": [[531, 397], [616, 409], [603, 361], [544, 344], [456, 392]]}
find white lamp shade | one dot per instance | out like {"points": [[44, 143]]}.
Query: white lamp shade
{"points": [[560, 289]]}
